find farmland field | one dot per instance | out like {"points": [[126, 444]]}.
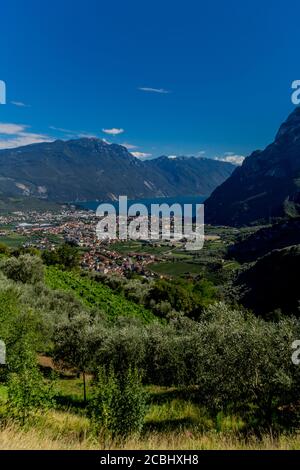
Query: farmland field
{"points": [[95, 295]]}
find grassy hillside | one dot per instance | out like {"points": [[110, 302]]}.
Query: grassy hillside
{"points": [[66, 431], [94, 294], [74, 379], [173, 421]]}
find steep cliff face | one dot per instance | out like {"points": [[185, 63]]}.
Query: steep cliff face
{"points": [[266, 186]]}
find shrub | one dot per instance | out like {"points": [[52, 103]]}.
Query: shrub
{"points": [[66, 256], [183, 296], [28, 393], [244, 361], [4, 250], [123, 345], [25, 269], [118, 406]]}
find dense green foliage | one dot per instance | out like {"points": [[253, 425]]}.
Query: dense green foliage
{"points": [[165, 297], [66, 255], [118, 405], [95, 295], [182, 296], [26, 269], [28, 391], [227, 360]]}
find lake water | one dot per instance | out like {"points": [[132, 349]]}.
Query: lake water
{"points": [[181, 200]]}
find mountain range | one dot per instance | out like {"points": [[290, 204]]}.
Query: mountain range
{"points": [[266, 188], [267, 185], [91, 169]]}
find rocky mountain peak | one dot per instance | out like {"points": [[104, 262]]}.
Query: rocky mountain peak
{"points": [[291, 127], [266, 187]]}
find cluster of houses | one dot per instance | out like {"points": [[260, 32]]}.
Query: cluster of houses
{"points": [[46, 230], [109, 261]]}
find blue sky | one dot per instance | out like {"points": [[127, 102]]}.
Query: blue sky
{"points": [[172, 77]]}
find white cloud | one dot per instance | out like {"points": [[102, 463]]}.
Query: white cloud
{"points": [[196, 154], [230, 157], [141, 155], [113, 131], [154, 90], [73, 134], [23, 140], [61, 129], [129, 146], [20, 104], [172, 157], [16, 135], [87, 135], [11, 129]]}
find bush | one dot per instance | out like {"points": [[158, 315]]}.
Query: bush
{"points": [[25, 269], [66, 256], [242, 361], [118, 406], [4, 250], [28, 393], [123, 345], [165, 360], [187, 297]]}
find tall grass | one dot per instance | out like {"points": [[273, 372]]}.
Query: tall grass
{"points": [[172, 423], [67, 434], [175, 426]]}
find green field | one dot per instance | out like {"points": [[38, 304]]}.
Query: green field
{"points": [[140, 247], [176, 269], [13, 240], [95, 295]]}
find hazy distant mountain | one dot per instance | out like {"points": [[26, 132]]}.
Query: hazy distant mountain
{"points": [[266, 186], [90, 169], [199, 175]]}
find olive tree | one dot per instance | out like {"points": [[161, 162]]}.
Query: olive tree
{"points": [[25, 269], [76, 339]]}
